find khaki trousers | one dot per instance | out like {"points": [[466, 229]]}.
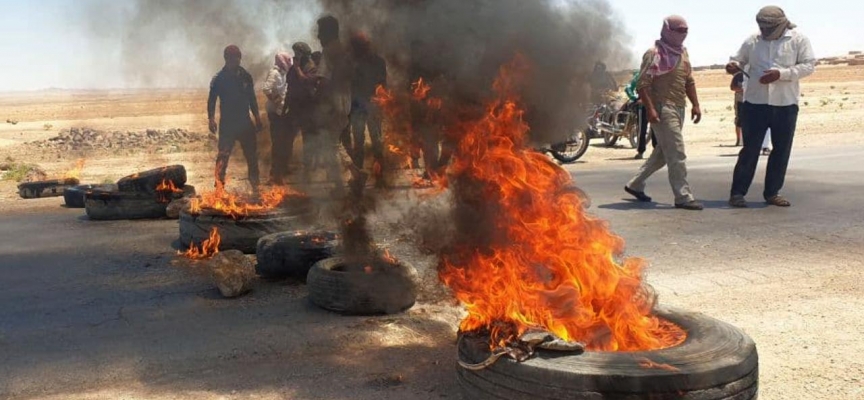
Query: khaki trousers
{"points": [[669, 152]]}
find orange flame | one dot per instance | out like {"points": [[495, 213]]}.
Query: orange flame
{"points": [[209, 247], [236, 205], [553, 267], [75, 172], [166, 190]]}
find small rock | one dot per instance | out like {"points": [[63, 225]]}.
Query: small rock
{"points": [[232, 273], [175, 206]]}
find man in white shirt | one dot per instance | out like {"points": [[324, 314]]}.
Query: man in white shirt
{"points": [[776, 60], [281, 138]]}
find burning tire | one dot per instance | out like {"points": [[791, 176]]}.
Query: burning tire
{"points": [[49, 188], [716, 362], [242, 233], [109, 205], [147, 181], [74, 196], [292, 254], [362, 288]]}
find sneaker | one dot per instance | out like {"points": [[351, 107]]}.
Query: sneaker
{"points": [[690, 205]]}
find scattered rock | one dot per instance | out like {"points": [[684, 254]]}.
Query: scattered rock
{"points": [[89, 139], [35, 174], [232, 273]]}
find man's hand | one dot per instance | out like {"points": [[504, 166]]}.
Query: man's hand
{"points": [[653, 117], [732, 68], [696, 114], [213, 126], [771, 76]]}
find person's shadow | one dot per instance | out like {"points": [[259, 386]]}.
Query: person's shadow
{"points": [[633, 204]]}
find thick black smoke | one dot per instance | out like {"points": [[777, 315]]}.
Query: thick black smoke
{"points": [[178, 43], [466, 42]]}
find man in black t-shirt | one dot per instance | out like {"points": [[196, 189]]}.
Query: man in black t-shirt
{"points": [[234, 89]]}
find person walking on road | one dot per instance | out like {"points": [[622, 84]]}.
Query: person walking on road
{"points": [[777, 59], [370, 71], [300, 104], [665, 84], [281, 140], [235, 90], [737, 86]]}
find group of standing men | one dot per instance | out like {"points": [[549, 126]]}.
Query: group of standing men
{"points": [[773, 62], [326, 97]]}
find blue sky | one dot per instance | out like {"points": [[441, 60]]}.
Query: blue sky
{"points": [[45, 44]]}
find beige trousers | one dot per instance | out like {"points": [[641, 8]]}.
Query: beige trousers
{"points": [[669, 152]]}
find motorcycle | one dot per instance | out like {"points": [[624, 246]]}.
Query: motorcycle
{"points": [[570, 150], [612, 122]]}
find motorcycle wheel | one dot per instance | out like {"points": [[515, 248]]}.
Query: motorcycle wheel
{"points": [[610, 139], [571, 150], [634, 133]]}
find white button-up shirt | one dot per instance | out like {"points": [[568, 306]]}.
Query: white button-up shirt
{"points": [[275, 87], [792, 55]]}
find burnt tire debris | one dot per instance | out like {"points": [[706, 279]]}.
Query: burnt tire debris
{"points": [[112, 205], [74, 196], [48, 188], [241, 234], [716, 362], [148, 181], [292, 254], [362, 287]]}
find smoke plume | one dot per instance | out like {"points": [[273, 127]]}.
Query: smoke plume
{"points": [[465, 42], [170, 43]]}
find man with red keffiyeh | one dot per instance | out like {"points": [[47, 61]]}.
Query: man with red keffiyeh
{"points": [[665, 83]]}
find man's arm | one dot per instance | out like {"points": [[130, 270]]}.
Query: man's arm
{"points": [[805, 64], [643, 87], [211, 104], [740, 58], [253, 102], [696, 111]]}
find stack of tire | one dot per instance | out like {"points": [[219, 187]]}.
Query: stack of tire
{"points": [[135, 196]]}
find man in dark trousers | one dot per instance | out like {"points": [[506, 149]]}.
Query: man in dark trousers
{"points": [[300, 103], [235, 90], [777, 59], [370, 71]]}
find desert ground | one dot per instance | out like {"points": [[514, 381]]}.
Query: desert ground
{"points": [[107, 310]]}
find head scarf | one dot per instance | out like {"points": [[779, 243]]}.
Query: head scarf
{"points": [[669, 47], [232, 51], [283, 61], [773, 23]]}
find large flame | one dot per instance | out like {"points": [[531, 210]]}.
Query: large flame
{"points": [[209, 247], [548, 265], [237, 205], [75, 172]]}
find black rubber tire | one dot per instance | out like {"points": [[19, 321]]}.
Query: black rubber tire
{"points": [[292, 254], [74, 196], [109, 205], [147, 181], [716, 362], [609, 139], [237, 234], [49, 188], [633, 136], [580, 138], [383, 291]]}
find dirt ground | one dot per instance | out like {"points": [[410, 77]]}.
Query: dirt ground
{"points": [[797, 295]]}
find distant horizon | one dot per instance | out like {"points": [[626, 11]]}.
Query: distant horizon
{"points": [[82, 44]]}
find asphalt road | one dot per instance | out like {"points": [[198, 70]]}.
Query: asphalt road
{"points": [[97, 310]]}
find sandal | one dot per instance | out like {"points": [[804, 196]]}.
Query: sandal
{"points": [[641, 196], [738, 201], [778, 201]]}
